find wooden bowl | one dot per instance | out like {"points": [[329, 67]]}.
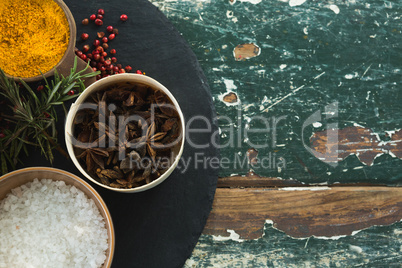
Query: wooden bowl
{"points": [[19, 177], [66, 62]]}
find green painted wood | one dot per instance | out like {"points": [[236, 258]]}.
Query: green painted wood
{"points": [[353, 57], [310, 57], [373, 247]]}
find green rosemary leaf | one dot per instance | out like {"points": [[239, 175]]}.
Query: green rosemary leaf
{"points": [[74, 69], [70, 87], [25, 142], [90, 74], [60, 102], [50, 152], [56, 76], [55, 89], [66, 98], [53, 113], [18, 146], [47, 85], [33, 115], [54, 131], [82, 86], [80, 73], [36, 99]]}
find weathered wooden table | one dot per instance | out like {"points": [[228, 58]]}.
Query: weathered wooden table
{"points": [[309, 101]]}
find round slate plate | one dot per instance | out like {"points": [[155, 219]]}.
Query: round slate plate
{"points": [[159, 227]]}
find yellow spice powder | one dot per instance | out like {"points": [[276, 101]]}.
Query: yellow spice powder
{"points": [[34, 36]]}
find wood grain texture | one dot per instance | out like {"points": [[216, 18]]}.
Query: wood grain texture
{"points": [[303, 212], [230, 98], [362, 142], [252, 180], [246, 51]]}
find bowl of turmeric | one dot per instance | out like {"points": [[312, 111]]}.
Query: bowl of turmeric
{"points": [[37, 38]]}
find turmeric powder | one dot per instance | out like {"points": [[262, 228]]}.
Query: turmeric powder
{"points": [[34, 36]]}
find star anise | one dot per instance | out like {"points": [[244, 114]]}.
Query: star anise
{"points": [[163, 102], [83, 123], [129, 145], [102, 111], [92, 155], [123, 140], [149, 141], [105, 131], [133, 99], [118, 93], [123, 136]]}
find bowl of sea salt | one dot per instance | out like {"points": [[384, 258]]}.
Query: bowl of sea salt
{"points": [[52, 218]]}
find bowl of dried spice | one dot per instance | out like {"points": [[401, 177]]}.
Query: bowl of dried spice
{"points": [[37, 38], [125, 132]]}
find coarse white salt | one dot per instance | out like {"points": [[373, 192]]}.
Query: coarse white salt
{"points": [[47, 223]]}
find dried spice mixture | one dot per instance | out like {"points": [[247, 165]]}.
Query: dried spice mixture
{"points": [[34, 36], [141, 135]]}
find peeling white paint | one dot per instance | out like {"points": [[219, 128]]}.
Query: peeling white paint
{"points": [[254, 2], [245, 108], [282, 66], [378, 155], [233, 236], [229, 15], [305, 188], [320, 183], [356, 249], [334, 8], [191, 263], [230, 86], [358, 125], [359, 167], [368, 95], [397, 231], [248, 119], [317, 124], [294, 3], [391, 154], [335, 237], [392, 132], [261, 73]]}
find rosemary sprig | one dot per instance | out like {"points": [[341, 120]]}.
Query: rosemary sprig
{"points": [[33, 116]]}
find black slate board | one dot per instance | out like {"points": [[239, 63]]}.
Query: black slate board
{"points": [[159, 227]]}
